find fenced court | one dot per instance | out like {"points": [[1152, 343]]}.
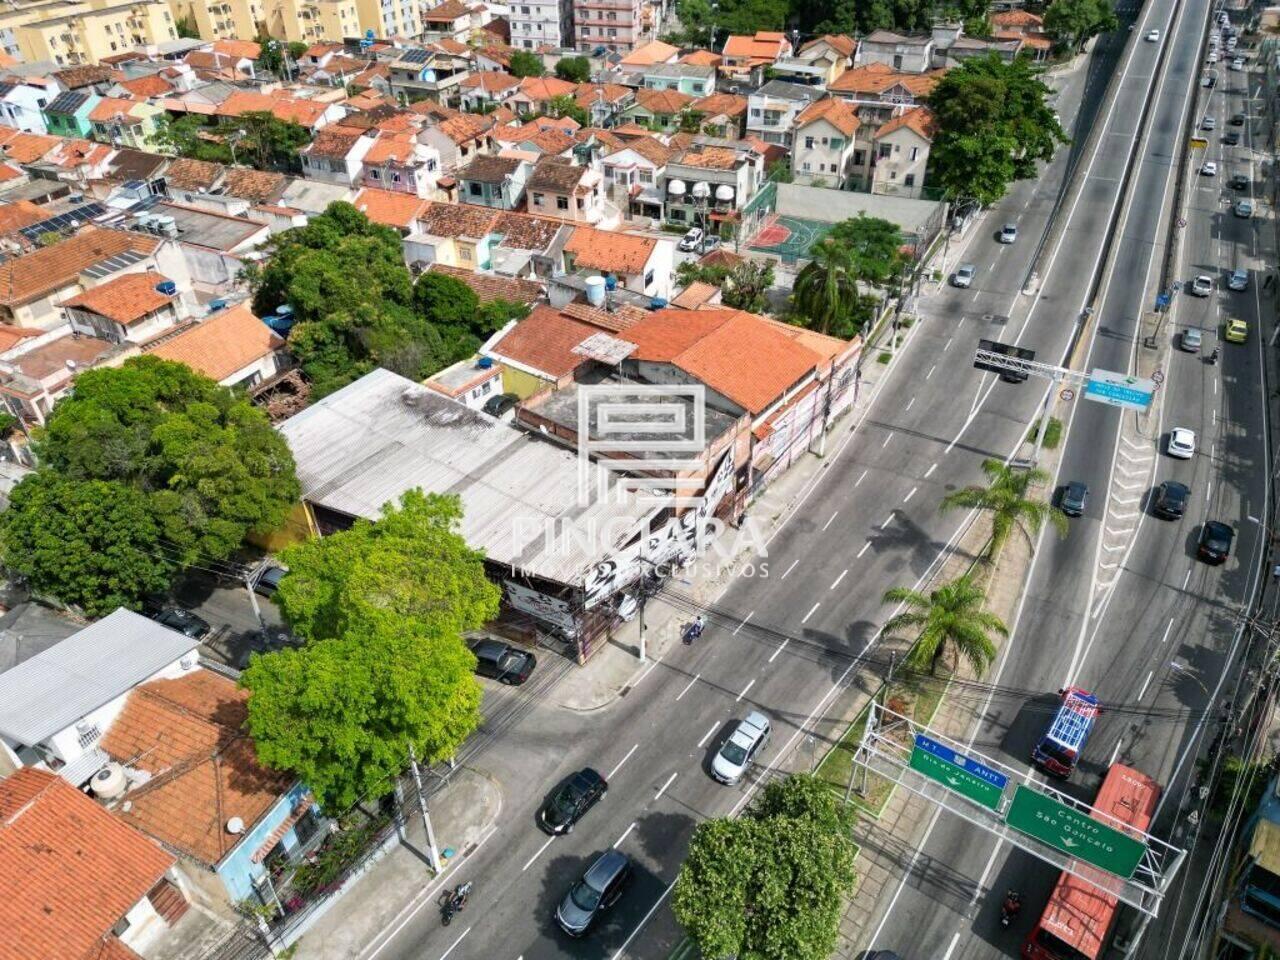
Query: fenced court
{"points": [[788, 237]]}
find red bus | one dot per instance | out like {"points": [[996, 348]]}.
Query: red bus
{"points": [[1077, 919]]}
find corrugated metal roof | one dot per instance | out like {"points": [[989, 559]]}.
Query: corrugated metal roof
{"points": [[58, 686], [374, 439]]}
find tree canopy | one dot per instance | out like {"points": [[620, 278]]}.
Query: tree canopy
{"points": [[574, 69], [952, 616], [1009, 498], [770, 884], [261, 140], [565, 106], [526, 64], [994, 126], [1073, 22], [743, 286]]}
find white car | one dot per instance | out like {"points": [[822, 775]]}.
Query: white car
{"points": [[1202, 285], [691, 239], [1182, 443], [1237, 63], [1008, 233], [1209, 169], [1153, 35], [743, 746], [1208, 123], [1213, 56], [963, 277]]}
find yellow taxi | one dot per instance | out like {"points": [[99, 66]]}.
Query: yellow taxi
{"points": [[1237, 331]]}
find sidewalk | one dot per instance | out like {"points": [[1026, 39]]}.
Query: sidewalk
{"points": [[395, 887]]}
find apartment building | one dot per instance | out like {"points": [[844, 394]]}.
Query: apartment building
{"points": [[772, 110], [87, 32], [822, 151], [222, 19], [538, 23], [614, 25]]}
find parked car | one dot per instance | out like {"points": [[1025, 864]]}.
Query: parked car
{"points": [[497, 406], [1209, 169], [597, 891], [1239, 280], [963, 277], [1170, 500], [1208, 80], [1182, 443], [1202, 285], [1190, 340], [1214, 545], [741, 747], [1240, 181], [1236, 331], [1208, 123], [1008, 233], [1074, 497], [268, 581], [184, 621], [691, 239], [1244, 209], [1231, 139], [575, 797], [502, 662]]}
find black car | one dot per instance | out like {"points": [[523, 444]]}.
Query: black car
{"points": [[497, 406], [503, 662], [1074, 496], [184, 621], [1237, 120], [570, 803], [1215, 542], [1170, 501], [268, 581], [1231, 138], [597, 891], [1239, 182]]}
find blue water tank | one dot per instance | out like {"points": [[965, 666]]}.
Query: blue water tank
{"points": [[485, 363], [167, 287], [657, 303], [610, 282], [216, 305]]}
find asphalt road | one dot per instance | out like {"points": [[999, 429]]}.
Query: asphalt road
{"points": [[1146, 626], [872, 522]]}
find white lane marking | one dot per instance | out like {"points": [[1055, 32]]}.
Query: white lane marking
{"points": [[622, 761], [744, 690], [887, 438], [955, 938], [790, 568], [861, 478], [617, 843], [1215, 386], [947, 345], [930, 373], [458, 941], [1115, 753], [887, 520], [780, 649], [707, 736], [1168, 627], [928, 473], [529, 862], [1145, 683], [1186, 580], [1207, 488], [663, 789], [644, 921], [843, 573], [911, 494], [829, 522], [811, 611], [909, 404], [864, 549], [743, 623], [652, 667], [689, 686]]}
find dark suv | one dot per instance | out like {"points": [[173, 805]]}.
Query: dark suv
{"points": [[570, 803], [184, 621], [503, 662], [1215, 542], [597, 891], [1170, 501], [1074, 497]]}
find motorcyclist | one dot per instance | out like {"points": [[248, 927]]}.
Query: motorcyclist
{"points": [[694, 629], [1012, 904], [1213, 357]]}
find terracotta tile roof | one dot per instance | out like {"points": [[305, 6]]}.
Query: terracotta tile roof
{"points": [[544, 340], [721, 257], [717, 104], [124, 299], [651, 148], [490, 81], [9, 172], [622, 317], [21, 213], [389, 208], [702, 58], [609, 250], [1030, 39], [186, 173], [556, 175], [188, 733], [523, 231], [74, 78], [219, 346], [246, 49], [448, 11], [500, 54], [305, 112], [114, 110], [845, 46], [465, 127], [72, 153], [51, 268], [451, 46], [709, 158], [589, 93], [28, 147], [552, 142], [110, 948], [631, 129], [333, 142], [920, 120], [1017, 18], [544, 88], [649, 54], [764, 46], [394, 146], [150, 86], [662, 101], [318, 50], [437, 111], [736, 353], [489, 287], [256, 186], [502, 115], [599, 135], [457, 220], [71, 869], [834, 111], [879, 77], [695, 295]]}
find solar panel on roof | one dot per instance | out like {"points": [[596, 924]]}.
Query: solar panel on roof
{"points": [[80, 215], [416, 55], [113, 264]]}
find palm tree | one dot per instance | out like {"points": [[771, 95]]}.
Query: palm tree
{"points": [[827, 288], [1009, 503], [951, 614]]}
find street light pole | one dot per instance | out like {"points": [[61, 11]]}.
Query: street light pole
{"points": [[432, 850]]}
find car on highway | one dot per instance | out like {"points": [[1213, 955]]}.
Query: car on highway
{"points": [[502, 662], [1231, 138], [1182, 443], [184, 621], [1208, 123], [1237, 63], [1237, 119], [1208, 80], [1074, 497], [1243, 209], [1239, 280], [1153, 35], [1239, 181], [691, 239], [268, 581], [741, 748], [569, 804], [1058, 751], [1190, 340], [1170, 500], [1214, 545], [1209, 169], [1202, 286], [597, 891], [1213, 56], [963, 277], [1008, 233], [1236, 331]]}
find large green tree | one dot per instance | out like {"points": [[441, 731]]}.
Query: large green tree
{"points": [[574, 69], [94, 544], [874, 247], [994, 126], [826, 290], [770, 884], [208, 462], [950, 617], [526, 64], [1008, 497], [1072, 22]]}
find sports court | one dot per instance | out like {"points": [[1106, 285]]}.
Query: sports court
{"points": [[788, 237]]}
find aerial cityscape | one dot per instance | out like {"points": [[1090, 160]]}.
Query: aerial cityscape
{"points": [[650, 479]]}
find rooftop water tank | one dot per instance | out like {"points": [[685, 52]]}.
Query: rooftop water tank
{"points": [[485, 363], [595, 291], [167, 287]]}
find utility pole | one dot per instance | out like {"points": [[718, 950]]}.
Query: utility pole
{"points": [[250, 581], [432, 850]]}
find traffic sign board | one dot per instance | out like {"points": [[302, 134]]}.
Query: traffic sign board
{"points": [[1162, 300], [1119, 389], [1074, 832], [955, 771]]}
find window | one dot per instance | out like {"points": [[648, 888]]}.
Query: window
{"points": [[395, 177], [808, 143], [474, 189], [537, 199], [886, 150], [755, 113], [677, 215], [375, 175], [562, 203], [648, 279], [915, 153], [464, 253], [613, 32], [859, 158], [645, 176], [805, 165], [909, 180], [837, 143]]}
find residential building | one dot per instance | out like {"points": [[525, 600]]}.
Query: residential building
{"points": [[658, 109], [722, 115], [472, 382], [133, 307], [633, 176], [402, 163], [686, 78], [562, 189], [88, 32], [901, 153], [429, 72], [41, 369], [497, 182], [818, 62], [544, 136], [648, 54], [908, 53], [604, 102], [186, 173], [880, 93], [458, 139], [67, 115], [452, 19], [641, 264], [126, 123], [536, 93], [744, 56], [231, 346], [489, 287], [22, 105], [1025, 26], [609, 25], [223, 19], [215, 246], [481, 238], [772, 110], [400, 211], [336, 155], [486, 88], [540, 23], [732, 172], [823, 144]]}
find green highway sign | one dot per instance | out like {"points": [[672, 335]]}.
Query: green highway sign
{"points": [[1074, 832], [972, 780]]}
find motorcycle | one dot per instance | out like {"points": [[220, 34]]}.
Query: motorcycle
{"points": [[1010, 908], [1213, 357], [455, 902], [692, 631]]}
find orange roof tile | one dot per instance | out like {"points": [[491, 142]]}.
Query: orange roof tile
{"points": [[662, 101], [845, 46], [125, 299], [1030, 39], [490, 81], [589, 93], [21, 213], [649, 54], [764, 46], [465, 127], [1017, 18], [544, 88], [49, 269], [879, 77], [834, 111], [71, 869], [702, 58], [544, 340], [29, 147], [393, 146], [457, 220], [695, 295], [609, 250], [447, 11], [920, 120], [489, 287], [389, 208], [305, 112], [651, 148], [114, 110], [226, 342], [245, 49], [150, 86], [186, 173], [721, 104]]}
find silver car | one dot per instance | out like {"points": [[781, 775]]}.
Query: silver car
{"points": [[741, 748], [963, 277], [1239, 280], [1008, 233], [1244, 209], [1202, 286], [1190, 340]]}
